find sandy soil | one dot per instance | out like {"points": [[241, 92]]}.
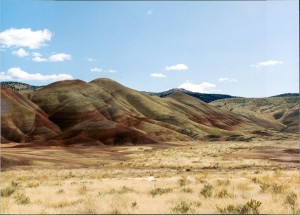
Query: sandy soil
{"points": [[177, 177]]}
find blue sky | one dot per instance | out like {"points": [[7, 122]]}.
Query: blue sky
{"points": [[240, 48]]}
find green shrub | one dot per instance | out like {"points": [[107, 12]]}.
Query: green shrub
{"points": [[254, 205], [22, 199], [133, 204], [197, 204], [183, 208], [60, 191], [251, 207], [33, 184], [187, 190], [223, 194], [223, 182], [256, 180], [71, 175], [206, 190], [160, 191], [229, 209], [115, 211], [6, 192], [264, 186], [15, 184], [278, 188], [291, 201], [183, 181]]}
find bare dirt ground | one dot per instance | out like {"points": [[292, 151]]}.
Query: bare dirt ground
{"points": [[178, 177]]}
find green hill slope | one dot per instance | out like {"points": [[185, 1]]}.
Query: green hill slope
{"points": [[279, 113]]}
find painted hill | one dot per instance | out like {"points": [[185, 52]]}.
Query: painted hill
{"points": [[104, 112], [206, 97], [22, 120], [280, 112]]}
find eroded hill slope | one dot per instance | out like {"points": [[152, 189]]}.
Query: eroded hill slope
{"points": [[104, 112], [278, 113], [22, 120]]}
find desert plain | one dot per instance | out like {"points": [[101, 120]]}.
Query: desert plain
{"points": [[175, 177]]}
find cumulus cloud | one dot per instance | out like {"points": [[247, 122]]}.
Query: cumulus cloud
{"points": [[95, 69], [89, 59], [18, 74], [111, 71], [222, 79], [158, 75], [37, 57], [177, 67], [204, 87], [266, 63], [24, 37], [59, 57], [20, 53]]}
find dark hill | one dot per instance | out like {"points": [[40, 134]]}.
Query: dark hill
{"points": [[19, 86], [206, 97], [286, 95]]}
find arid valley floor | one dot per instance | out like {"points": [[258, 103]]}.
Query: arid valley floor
{"points": [[176, 177]]}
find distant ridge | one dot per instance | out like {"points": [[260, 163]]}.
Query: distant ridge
{"points": [[19, 86], [206, 97], [286, 95]]}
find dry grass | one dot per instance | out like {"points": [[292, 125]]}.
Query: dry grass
{"points": [[178, 178]]}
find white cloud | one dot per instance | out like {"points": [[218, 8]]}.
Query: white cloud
{"points": [[59, 57], [18, 74], [96, 70], [177, 67], [110, 71], [89, 59], [266, 63], [37, 57], [222, 79], [20, 53], [158, 75], [24, 37], [103, 71], [204, 87]]}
